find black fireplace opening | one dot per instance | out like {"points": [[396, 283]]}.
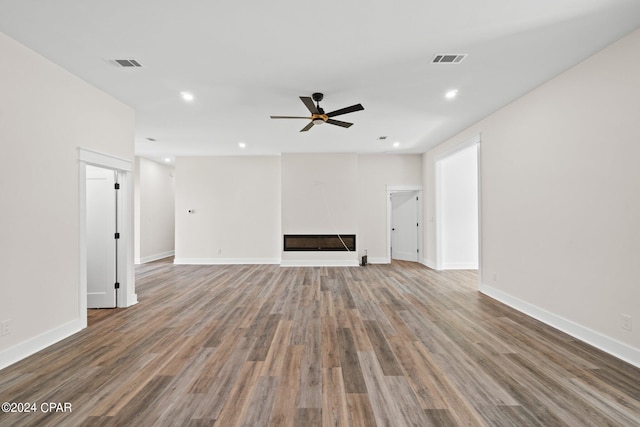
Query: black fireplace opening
{"points": [[320, 242]]}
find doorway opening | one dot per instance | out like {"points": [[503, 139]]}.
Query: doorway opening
{"points": [[106, 232], [457, 213], [404, 223]]}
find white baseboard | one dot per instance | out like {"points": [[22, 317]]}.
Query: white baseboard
{"points": [[614, 347], [319, 263], [132, 300], [225, 261], [378, 260], [155, 257], [288, 263], [460, 266], [33, 345], [429, 263]]}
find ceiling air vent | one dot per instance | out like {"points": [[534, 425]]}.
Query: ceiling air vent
{"points": [[126, 63], [448, 58]]}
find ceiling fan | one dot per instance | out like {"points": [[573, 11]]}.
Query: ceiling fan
{"points": [[318, 116]]}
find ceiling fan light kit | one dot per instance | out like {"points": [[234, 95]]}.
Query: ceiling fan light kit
{"points": [[318, 116]]}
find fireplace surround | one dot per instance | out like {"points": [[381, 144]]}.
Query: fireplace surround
{"points": [[320, 242]]}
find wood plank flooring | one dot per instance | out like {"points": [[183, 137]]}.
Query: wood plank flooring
{"points": [[256, 345]]}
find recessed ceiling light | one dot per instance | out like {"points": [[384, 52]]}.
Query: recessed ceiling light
{"points": [[166, 159], [396, 144], [242, 145], [451, 94], [187, 96]]}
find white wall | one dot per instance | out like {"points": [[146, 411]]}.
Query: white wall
{"points": [[236, 203], [459, 209], [155, 210], [292, 194], [319, 196], [561, 199], [375, 172], [46, 113]]}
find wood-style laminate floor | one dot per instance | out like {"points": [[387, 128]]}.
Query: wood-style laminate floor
{"points": [[385, 345]]}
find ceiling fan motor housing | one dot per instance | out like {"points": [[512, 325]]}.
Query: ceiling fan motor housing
{"points": [[317, 96]]}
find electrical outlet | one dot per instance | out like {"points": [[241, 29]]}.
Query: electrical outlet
{"points": [[626, 322], [5, 327]]}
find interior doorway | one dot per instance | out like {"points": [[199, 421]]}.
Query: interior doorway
{"points": [[404, 223], [121, 170], [458, 207], [404, 226]]}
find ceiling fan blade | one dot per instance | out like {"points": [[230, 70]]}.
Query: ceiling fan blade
{"points": [[289, 117], [307, 127], [309, 103], [339, 123], [346, 110]]}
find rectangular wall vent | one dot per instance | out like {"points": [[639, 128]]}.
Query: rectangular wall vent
{"points": [[448, 58], [126, 63]]}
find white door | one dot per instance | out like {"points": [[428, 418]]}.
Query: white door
{"points": [[404, 226], [101, 241]]}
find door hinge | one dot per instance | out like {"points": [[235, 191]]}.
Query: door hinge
{"points": [[117, 285], [116, 186], [117, 236], [418, 250], [416, 197], [417, 224]]}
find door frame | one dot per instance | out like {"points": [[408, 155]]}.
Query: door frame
{"points": [[404, 189], [126, 296], [438, 214]]}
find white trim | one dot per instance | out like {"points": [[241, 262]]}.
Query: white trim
{"points": [[460, 266], [474, 140], [614, 347], [378, 260], [400, 188], [126, 269], [404, 189], [104, 160], [33, 345], [155, 257], [82, 241], [428, 263], [225, 261], [126, 274], [437, 212], [319, 263], [479, 159]]}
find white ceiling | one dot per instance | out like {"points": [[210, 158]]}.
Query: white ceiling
{"points": [[245, 61]]}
